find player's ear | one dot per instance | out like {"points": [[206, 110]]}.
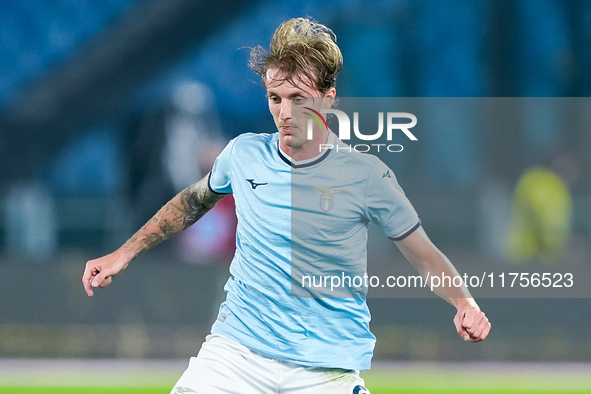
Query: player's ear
{"points": [[329, 97]]}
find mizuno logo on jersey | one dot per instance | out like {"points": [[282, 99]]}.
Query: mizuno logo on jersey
{"points": [[387, 174], [255, 184], [327, 197]]}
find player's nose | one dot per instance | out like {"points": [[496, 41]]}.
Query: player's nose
{"points": [[285, 110]]}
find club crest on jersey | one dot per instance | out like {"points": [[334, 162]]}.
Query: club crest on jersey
{"points": [[327, 197]]}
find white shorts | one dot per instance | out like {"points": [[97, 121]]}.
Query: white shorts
{"points": [[224, 366]]}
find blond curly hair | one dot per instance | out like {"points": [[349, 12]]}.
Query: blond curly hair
{"points": [[301, 47]]}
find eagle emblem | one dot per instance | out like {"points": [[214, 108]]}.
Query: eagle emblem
{"points": [[327, 197]]}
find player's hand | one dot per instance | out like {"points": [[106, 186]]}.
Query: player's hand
{"points": [[100, 272], [471, 323]]}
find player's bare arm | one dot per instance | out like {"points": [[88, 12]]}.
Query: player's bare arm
{"points": [[471, 323], [176, 215]]}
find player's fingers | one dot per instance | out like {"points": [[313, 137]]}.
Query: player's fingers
{"points": [[465, 336], [99, 279], [88, 289], [479, 322], [482, 331], [106, 282], [86, 284], [89, 272], [468, 318], [460, 328], [472, 325], [476, 335]]}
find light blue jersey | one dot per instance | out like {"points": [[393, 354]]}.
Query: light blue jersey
{"points": [[297, 219]]}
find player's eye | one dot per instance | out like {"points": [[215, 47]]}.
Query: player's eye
{"points": [[297, 100], [274, 99]]}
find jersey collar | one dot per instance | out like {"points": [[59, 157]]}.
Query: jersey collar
{"points": [[308, 162]]}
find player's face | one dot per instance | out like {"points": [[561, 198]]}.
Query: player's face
{"points": [[286, 103]]}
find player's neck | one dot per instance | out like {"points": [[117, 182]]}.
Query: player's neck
{"points": [[309, 150]]}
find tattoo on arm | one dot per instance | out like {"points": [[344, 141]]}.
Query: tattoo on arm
{"points": [[179, 213]]}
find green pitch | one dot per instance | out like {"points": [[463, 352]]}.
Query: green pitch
{"points": [[413, 379]]}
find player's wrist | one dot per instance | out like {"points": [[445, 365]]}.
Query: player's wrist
{"points": [[126, 253], [463, 303]]}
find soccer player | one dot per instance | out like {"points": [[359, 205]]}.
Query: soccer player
{"points": [[300, 209]]}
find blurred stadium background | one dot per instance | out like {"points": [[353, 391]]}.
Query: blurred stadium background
{"points": [[108, 108]]}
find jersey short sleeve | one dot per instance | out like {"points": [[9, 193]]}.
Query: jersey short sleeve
{"points": [[220, 180], [388, 206]]}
